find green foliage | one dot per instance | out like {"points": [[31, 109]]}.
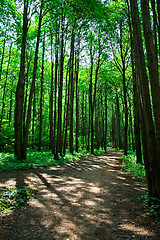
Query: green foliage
{"points": [[37, 159], [12, 198], [130, 165], [151, 205]]}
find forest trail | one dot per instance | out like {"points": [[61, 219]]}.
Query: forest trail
{"points": [[89, 199]]}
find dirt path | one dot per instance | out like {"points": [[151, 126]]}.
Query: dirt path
{"points": [[87, 199]]}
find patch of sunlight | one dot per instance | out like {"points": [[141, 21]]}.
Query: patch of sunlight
{"points": [[114, 183], [35, 203], [91, 217], [122, 178], [89, 203], [95, 166], [95, 189], [50, 195], [133, 228], [75, 180], [58, 179], [11, 182]]}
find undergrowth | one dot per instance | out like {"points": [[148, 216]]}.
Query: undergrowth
{"points": [[12, 198], [130, 165], [151, 205], [36, 159]]}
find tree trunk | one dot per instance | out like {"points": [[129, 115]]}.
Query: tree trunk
{"points": [[4, 89], [71, 70], [55, 87], [20, 89], [106, 121], [67, 118], [32, 86], [136, 105], [59, 125], [77, 93], [118, 123], [51, 144], [151, 160], [41, 98], [90, 99], [4, 44], [33, 120], [153, 71], [125, 142]]}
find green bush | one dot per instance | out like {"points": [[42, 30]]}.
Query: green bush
{"points": [[129, 165]]}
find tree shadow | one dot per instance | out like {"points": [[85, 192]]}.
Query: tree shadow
{"points": [[87, 199]]}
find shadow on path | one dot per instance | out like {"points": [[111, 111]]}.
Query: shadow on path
{"points": [[89, 199]]}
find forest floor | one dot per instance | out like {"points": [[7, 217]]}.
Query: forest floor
{"points": [[89, 199]]}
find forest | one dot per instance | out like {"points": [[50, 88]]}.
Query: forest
{"points": [[81, 74]]}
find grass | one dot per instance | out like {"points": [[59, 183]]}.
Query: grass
{"points": [[130, 165], [36, 159]]}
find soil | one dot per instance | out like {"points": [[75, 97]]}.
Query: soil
{"points": [[89, 199]]}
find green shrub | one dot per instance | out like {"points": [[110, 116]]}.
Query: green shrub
{"points": [[129, 165]]}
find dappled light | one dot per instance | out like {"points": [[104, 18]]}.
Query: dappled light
{"points": [[86, 199]]}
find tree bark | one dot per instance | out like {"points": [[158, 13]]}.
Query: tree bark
{"points": [[25, 143], [20, 89], [77, 93], [151, 161], [153, 70], [118, 122], [41, 98], [55, 86], [71, 71], [59, 125], [51, 144], [4, 89], [4, 44]]}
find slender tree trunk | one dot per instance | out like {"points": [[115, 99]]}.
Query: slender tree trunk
{"points": [[158, 10], [51, 144], [59, 125], [33, 120], [65, 114], [4, 44], [125, 142], [20, 89], [113, 129], [4, 89], [77, 94], [67, 118], [90, 100], [106, 122], [10, 104], [41, 98], [155, 24], [26, 94], [72, 89], [55, 87], [32, 86], [118, 122], [136, 105]]}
